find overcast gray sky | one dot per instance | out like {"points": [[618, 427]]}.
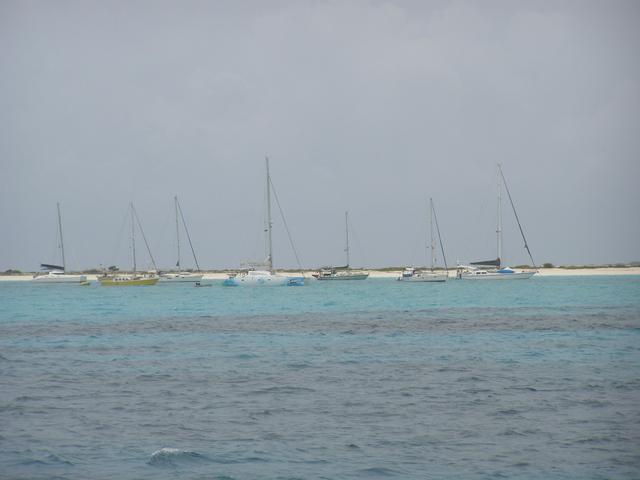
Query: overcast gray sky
{"points": [[366, 106]]}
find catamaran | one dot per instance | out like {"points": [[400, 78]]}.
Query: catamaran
{"points": [[411, 274], [134, 278], [57, 273], [265, 276], [344, 272], [181, 276], [493, 269]]}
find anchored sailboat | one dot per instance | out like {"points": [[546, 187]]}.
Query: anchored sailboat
{"points": [[181, 276], [493, 269], [421, 275], [57, 273], [344, 272], [134, 278], [266, 276]]}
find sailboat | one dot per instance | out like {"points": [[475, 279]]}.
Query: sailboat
{"points": [[134, 278], [181, 276], [493, 269], [265, 276], [411, 274], [57, 273], [344, 272]]}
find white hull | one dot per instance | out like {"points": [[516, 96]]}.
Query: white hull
{"points": [[343, 276], [425, 277], [497, 276], [59, 278], [262, 279], [181, 277]]}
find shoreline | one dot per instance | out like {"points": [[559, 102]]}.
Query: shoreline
{"points": [[543, 272]]}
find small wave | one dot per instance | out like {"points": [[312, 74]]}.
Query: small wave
{"points": [[171, 457], [298, 366], [283, 389], [245, 356], [377, 472], [508, 411], [49, 461]]}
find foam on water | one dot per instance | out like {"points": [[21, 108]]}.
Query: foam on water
{"points": [[172, 457]]}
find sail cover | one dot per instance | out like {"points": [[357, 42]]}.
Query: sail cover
{"points": [[48, 267], [488, 263]]}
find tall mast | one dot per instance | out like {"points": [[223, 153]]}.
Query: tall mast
{"points": [[499, 221], [184, 223], [506, 186], [133, 238], [433, 244], [346, 226], [269, 247], [175, 199], [64, 265], [435, 217]]}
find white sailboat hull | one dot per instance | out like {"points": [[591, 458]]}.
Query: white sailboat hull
{"points": [[344, 276], [263, 279], [425, 277], [181, 277], [59, 278], [497, 276]]}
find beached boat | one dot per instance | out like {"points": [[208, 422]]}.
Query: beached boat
{"points": [[57, 273], [181, 276], [411, 274], [266, 276], [134, 278], [493, 269], [344, 272]]}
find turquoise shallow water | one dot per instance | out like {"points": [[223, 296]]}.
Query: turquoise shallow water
{"points": [[372, 379]]}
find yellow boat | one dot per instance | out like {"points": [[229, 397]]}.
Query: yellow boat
{"points": [[126, 280], [132, 279]]}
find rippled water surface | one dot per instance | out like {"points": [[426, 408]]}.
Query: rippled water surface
{"points": [[348, 380]]}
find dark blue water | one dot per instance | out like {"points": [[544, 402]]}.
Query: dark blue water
{"points": [[374, 379]]}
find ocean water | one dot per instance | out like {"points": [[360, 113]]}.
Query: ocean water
{"points": [[536, 379]]}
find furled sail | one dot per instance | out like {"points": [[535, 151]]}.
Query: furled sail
{"points": [[488, 263], [48, 267]]}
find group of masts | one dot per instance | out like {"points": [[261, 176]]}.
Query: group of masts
{"points": [[326, 273]]}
